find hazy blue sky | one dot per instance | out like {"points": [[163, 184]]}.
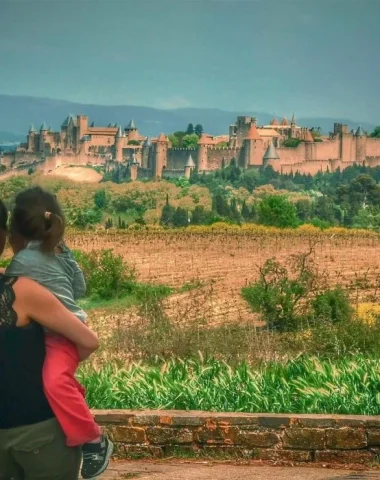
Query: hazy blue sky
{"points": [[315, 57]]}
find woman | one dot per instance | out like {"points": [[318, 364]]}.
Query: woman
{"points": [[32, 445]]}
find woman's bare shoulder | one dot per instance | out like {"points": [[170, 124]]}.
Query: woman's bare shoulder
{"points": [[26, 286]]}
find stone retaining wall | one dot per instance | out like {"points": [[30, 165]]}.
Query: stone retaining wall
{"points": [[289, 438]]}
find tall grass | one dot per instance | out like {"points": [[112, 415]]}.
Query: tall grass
{"points": [[304, 385]]}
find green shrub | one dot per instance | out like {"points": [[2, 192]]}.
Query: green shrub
{"points": [[277, 211], [332, 305], [107, 275], [279, 296]]}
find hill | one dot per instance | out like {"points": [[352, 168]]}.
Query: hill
{"points": [[17, 112]]}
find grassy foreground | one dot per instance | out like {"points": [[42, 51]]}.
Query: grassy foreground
{"points": [[304, 385]]}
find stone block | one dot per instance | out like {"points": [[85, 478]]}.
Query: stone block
{"points": [[258, 439], [162, 436], [237, 420], [222, 434], [146, 420], [304, 438], [344, 456], [166, 420], [350, 421], [128, 434], [109, 417], [345, 439], [373, 438], [187, 421], [373, 422], [282, 455], [313, 421], [274, 421]]}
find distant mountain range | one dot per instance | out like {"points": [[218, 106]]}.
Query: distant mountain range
{"points": [[18, 112]]}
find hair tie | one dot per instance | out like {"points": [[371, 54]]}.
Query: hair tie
{"points": [[47, 215]]}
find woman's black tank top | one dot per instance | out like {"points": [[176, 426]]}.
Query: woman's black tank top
{"points": [[22, 353]]}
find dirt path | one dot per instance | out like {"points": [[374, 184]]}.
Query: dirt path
{"points": [[208, 471]]}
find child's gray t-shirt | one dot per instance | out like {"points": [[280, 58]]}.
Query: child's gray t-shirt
{"points": [[58, 272]]}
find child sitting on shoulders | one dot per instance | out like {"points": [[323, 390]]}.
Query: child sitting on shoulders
{"points": [[36, 236]]}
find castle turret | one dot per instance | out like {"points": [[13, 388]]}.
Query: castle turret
{"points": [[119, 144], [189, 167], [134, 167], [82, 125], [43, 137], [160, 155], [146, 153], [252, 145], [131, 130], [309, 144], [270, 155], [361, 145], [31, 138], [202, 152], [293, 127]]}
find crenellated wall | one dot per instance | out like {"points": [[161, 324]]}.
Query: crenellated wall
{"points": [[373, 147], [177, 157], [216, 155]]}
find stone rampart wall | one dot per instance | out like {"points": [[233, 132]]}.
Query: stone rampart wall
{"points": [[282, 437], [177, 158], [215, 157]]}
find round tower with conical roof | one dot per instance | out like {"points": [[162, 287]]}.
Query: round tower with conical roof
{"points": [[270, 156], [203, 144], [145, 154], [361, 145], [189, 167], [43, 137], [293, 133], [253, 146], [31, 139], [134, 167], [132, 131], [160, 155], [119, 144]]}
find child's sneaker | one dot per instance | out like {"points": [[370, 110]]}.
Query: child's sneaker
{"points": [[96, 457]]}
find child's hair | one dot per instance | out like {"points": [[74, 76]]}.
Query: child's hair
{"points": [[3, 216], [37, 216]]}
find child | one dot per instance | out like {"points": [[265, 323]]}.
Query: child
{"points": [[37, 228]]}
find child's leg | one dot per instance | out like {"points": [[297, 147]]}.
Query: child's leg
{"points": [[65, 394]]}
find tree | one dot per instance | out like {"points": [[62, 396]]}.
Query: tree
{"points": [[277, 211], [190, 141], [304, 210], [167, 215], [234, 212], [245, 211], [291, 142], [221, 205], [109, 224], [190, 129], [198, 130], [376, 132], [174, 140], [325, 209], [133, 142], [100, 199], [201, 216], [180, 217]]}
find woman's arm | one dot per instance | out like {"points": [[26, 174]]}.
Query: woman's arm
{"points": [[38, 304]]}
